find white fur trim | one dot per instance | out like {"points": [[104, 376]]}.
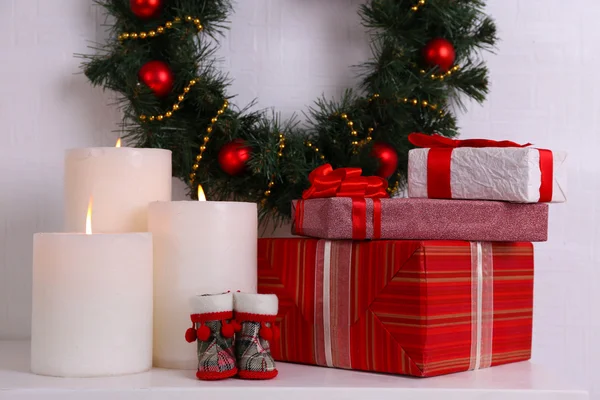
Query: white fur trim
{"points": [[210, 303], [263, 304]]}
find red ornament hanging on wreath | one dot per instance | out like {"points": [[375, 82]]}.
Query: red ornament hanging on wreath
{"points": [[146, 9], [234, 156], [439, 53], [158, 76], [388, 159]]}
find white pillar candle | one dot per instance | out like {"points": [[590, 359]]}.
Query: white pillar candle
{"points": [[199, 247], [122, 180], [92, 304]]}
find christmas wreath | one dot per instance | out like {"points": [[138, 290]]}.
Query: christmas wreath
{"points": [[160, 59]]}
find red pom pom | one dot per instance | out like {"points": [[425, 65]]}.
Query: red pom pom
{"points": [[190, 335], [236, 326], [276, 333], [266, 333], [227, 330], [203, 333]]}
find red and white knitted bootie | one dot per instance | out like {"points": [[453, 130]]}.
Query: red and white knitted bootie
{"points": [[212, 328], [255, 318]]}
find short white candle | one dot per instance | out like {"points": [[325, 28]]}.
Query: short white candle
{"points": [[92, 304], [199, 247], [122, 180]]}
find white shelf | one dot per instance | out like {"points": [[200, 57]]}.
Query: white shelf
{"points": [[522, 381]]}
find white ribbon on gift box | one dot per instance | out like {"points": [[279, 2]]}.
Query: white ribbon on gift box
{"points": [[482, 305], [327, 303]]}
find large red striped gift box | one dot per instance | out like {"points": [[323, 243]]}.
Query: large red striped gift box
{"points": [[421, 308]]}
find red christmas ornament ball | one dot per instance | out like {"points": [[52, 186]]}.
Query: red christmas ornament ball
{"points": [[234, 156], [146, 9], [158, 76], [439, 52], [387, 157]]}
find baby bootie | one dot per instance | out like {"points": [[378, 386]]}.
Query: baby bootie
{"points": [[255, 319], [212, 328]]}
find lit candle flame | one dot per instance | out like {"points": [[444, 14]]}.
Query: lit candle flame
{"points": [[88, 218], [201, 196], [118, 142]]}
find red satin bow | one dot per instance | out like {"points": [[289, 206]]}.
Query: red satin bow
{"points": [[437, 142], [344, 182]]}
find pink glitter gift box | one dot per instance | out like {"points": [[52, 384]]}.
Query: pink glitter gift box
{"points": [[420, 219]]}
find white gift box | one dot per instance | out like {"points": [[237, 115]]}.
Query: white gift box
{"points": [[491, 173]]}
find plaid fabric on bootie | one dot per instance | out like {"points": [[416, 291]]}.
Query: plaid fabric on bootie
{"points": [[255, 313], [212, 328]]}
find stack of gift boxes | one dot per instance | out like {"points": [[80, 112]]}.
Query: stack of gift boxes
{"points": [[436, 283]]}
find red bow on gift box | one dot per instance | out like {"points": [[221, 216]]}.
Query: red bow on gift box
{"points": [[344, 182], [327, 182], [439, 161]]}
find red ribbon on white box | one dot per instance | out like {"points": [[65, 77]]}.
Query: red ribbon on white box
{"points": [[333, 299], [439, 162]]}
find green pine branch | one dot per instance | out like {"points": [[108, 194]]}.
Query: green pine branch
{"points": [[407, 98]]}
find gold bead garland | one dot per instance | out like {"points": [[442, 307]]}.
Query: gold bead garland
{"points": [[353, 131], [281, 145], [206, 139], [393, 190], [359, 144], [369, 134], [416, 7], [309, 144], [355, 142], [267, 192], [159, 30], [368, 139], [365, 141], [174, 108], [424, 104], [441, 77]]}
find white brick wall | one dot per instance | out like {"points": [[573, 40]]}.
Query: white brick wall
{"points": [[46, 107], [544, 90]]}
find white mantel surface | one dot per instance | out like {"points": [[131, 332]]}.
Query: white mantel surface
{"points": [[521, 381]]}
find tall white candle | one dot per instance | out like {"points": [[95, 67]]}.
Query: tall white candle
{"points": [[122, 180], [92, 304], [199, 247]]}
